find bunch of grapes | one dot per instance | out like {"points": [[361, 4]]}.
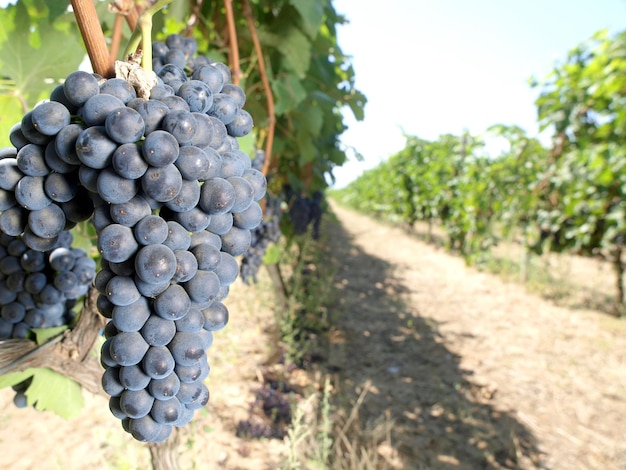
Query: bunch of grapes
{"points": [[304, 211], [266, 233], [38, 289], [173, 200], [263, 236]]}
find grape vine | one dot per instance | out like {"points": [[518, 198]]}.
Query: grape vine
{"points": [[566, 198]]}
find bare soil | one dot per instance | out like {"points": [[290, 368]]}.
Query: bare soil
{"points": [[458, 368], [473, 372]]}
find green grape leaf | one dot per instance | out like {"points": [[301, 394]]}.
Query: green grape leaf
{"points": [[11, 112], [44, 334], [35, 56], [312, 119], [54, 392], [272, 254], [246, 144], [13, 378], [356, 101], [296, 49], [56, 8], [288, 92], [312, 14]]}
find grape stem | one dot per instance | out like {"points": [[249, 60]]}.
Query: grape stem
{"points": [[143, 34], [93, 37], [271, 114]]}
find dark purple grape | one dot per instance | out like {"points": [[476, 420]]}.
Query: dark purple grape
{"points": [[131, 212], [94, 147], [173, 303], [158, 362], [203, 287], [181, 124], [160, 149], [116, 189], [96, 109], [162, 184], [79, 86], [217, 196], [151, 230], [124, 125], [128, 161], [155, 264], [136, 403], [128, 349], [165, 388], [167, 411], [241, 125], [157, 331], [116, 243], [224, 108], [197, 94], [119, 88], [50, 117], [31, 161], [186, 348]]}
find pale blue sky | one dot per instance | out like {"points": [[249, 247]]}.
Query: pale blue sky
{"points": [[441, 66]]}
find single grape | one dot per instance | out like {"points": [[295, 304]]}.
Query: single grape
{"points": [[94, 147], [151, 230], [197, 94], [162, 184], [186, 348], [241, 125], [116, 189], [124, 125], [119, 88], [128, 349], [136, 403], [128, 162], [158, 362], [96, 109], [158, 331], [79, 86], [217, 196], [173, 303], [165, 388], [155, 264], [116, 243], [30, 161], [203, 287], [167, 411], [181, 124], [50, 117], [160, 148]]}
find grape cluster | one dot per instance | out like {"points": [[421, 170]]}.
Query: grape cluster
{"points": [[38, 289], [263, 236], [173, 200], [304, 211]]}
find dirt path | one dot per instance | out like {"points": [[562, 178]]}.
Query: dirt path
{"points": [[472, 372], [456, 370]]}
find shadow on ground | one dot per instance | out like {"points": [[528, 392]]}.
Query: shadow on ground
{"points": [[385, 352]]}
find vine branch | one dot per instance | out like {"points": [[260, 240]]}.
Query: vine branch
{"points": [[271, 113], [116, 36], [233, 44], [69, 354], [93, 37]]}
